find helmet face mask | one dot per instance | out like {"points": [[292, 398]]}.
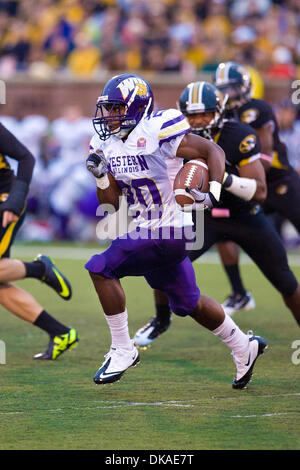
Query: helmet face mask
{"points": [[110, 119], [202, 98], [125, 100]]}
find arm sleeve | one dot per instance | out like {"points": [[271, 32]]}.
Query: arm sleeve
{"points": [[12, 147]]}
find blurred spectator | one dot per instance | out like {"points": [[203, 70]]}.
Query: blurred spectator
{"points": [[84, 60], [71, 133], [242, 9], [283, 66], [289, 125]]}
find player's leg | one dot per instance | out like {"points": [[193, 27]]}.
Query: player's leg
{"points": [[239, 299], [134, 254], [263, 244], [185, 299], [131, 255], [161, 321], [23, 305], [41, 268], [122, 354], [246, 348]]}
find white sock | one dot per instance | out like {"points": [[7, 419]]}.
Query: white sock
{"points": [[231, 335], [118, 325]]}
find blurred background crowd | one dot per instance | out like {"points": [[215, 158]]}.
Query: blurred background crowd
{"points": [[84, 39]]}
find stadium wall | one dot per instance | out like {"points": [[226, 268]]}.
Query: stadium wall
{"points": [[48, 97]]}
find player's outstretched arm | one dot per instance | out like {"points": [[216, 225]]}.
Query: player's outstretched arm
{"points": [[14, 205], [256, 171], [250, 185]]}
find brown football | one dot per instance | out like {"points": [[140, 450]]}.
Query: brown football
{"points": [[194, 174]]}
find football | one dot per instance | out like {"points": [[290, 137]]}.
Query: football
{"points": [[194, 174]]}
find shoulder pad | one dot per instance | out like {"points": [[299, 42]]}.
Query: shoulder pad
{"points": [[172, 124]]}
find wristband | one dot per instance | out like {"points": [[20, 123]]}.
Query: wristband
{"points": [[215, 189], [103, 182]]}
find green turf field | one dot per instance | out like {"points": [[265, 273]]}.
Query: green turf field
{"points": [[179, 396]]}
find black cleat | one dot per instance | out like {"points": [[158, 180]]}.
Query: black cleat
{"points": [[147, 334], [55, 278], [236, 302]]}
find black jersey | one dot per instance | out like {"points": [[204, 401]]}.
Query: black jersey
{"points": [[241, 146], [257, 113], [14, 189]]}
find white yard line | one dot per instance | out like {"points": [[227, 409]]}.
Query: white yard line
{"points": [[265, 415], [237, 397], [108, 405]]}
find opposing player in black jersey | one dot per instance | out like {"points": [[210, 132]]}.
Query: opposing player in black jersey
{"points": [[13, 192], [239, 216], [283, 182]]}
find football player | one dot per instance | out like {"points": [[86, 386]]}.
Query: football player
{"points": [[13, 192], [283, 182], [132, 142], [239, 216]]}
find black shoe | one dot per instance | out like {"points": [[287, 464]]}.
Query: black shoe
{"points": [[55, 278], [236, 302], [147, 334]]}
